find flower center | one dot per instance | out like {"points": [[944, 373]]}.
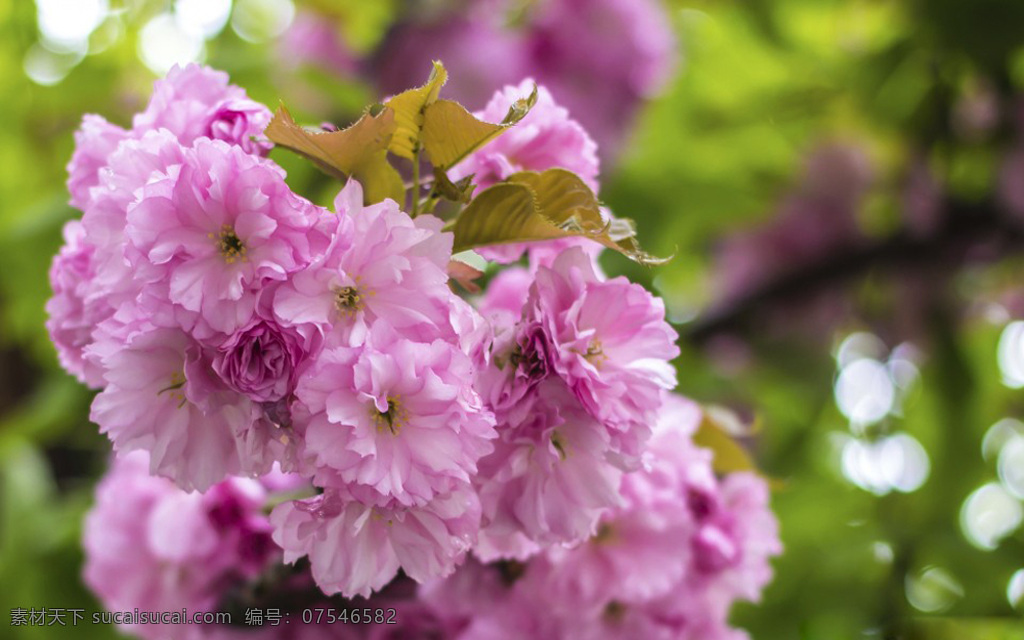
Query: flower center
{"points": [[173, 388], [614, 611], [510, 571], [229, 244], [559, 445], [530, 363], [595, 353], [605, 533], [393, 419], [348, 300]]}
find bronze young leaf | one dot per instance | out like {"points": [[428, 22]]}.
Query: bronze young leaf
{"points": [[360, 151]]}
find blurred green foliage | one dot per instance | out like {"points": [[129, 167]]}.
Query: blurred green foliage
{"points": [[760, 83]]}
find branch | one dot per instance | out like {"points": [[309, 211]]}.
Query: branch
{"points": [[965, 226]]}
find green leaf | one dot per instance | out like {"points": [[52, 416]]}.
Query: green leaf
{"points": [[409, 107], [450, 132], [360, 151], [532, 206], [459, 191]]}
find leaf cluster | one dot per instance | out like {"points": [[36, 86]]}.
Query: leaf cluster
{"points": [[417, 127]]}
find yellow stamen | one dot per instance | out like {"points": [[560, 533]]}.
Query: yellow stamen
{"points": [[393, 419], [230, 245], [174, 389], [595, 353]]}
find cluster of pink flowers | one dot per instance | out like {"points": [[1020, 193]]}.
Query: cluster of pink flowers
{"points": [[235, 329], [153, 547], [667, 562]]}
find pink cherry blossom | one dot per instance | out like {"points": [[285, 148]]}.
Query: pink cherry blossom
{"points": [[89, 276], [151, 546], [355, 548], [398, 416], [546, 138], [616, 364], [506, 295], [195, 101], [133, 165], [236, 329], [548, 480], [128, 168], [73, 311], [216, 230], [262, 359], [678, 552], [648, 571], [395, 272], [160, 396], [95, 140]]}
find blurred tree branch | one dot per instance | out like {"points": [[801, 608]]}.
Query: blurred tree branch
{"points": [[965, 232]]}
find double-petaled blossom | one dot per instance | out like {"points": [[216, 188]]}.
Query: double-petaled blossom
{"points": [[198, 102], [574, 389], [130, 167], [607, 340], [357, 545], [189, 103], [683, 548], [162, 396], [548, 480], [153, 547], [668, 562], [262, 359], [209, 235], [91, 276], [398, 416], [546, 138], [72, 313], [95, 140], [383, 266]]}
